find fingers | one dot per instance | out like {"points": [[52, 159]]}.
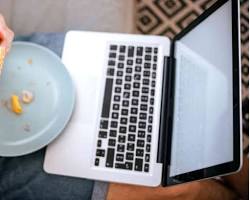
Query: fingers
{"points": [[6, 35]]}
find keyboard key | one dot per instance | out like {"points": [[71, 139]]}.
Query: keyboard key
{"points": [[125, 103], [120, 65], [119, 157], [118, 81], [155, 50], [100, 152], [138, 164], [139, 51], [136, 85], [148, 138], [131, 137], [146, 167], [121, 58], [107, 98], [148, 49], [153, 83], [134, 111], [129, 62], [120, 166], [112, 55], [120, 147], [155, 58], [129, 156], [115, 115], [151, 101], [133, 119], [132, 128], [147, 65], [151, 110], [118, 89], [112, 133], [135, 102], [117, 98], [99, 143], [123, 129], [122, 49], [130, 147], [111, 63], [122, 138], [154, 66], [144, 107], [148, 148], [102, 134], [135, 93], [110, 72], [141, 134], [113, 47], [147, 158], [129, 70], [142, 125], [104, 124], [128, 78], [148, 57], [129, 165], [113, 124], [145, 81], [127, 86], [145, 90], [110, 157], [137, 77], [97, 161], [124, 111], [154, 75], [131, 51], [119, 73], [137, 68], [149, 129], [150, 119], [140, 143], [111, 142], [138, 61], [143, 116], [124, 120], [139, 152], [146, 73], [144, 98], [116, 106]]}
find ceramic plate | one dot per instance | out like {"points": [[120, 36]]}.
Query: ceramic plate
{"points": [[36, 69]]}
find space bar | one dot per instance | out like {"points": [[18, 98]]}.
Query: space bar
{"points": [[107, 98]]}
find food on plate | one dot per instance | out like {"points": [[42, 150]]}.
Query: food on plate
{"points": [[27, 96], [15, 105], [2, 55], [30, 61]]}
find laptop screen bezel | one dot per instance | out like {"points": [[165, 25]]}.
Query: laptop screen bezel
{"points": [[234, 165]]}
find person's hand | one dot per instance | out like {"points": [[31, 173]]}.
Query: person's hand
{"points": [[6, 35]]}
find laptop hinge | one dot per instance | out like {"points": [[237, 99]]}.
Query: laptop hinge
{"points": [[166, 120]]}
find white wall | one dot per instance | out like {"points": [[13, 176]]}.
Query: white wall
{"points": [[27, 16]]}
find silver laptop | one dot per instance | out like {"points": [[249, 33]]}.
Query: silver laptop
{"points": [[151, 111]]}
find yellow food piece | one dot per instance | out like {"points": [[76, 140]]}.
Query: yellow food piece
{"points": [[15, 105], [2, 55], [27, 97]]}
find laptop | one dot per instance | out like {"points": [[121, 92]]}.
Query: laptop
{"points": [[153, 111]]}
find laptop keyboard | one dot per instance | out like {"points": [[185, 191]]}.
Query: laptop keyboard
{"points": [[124, 137]]}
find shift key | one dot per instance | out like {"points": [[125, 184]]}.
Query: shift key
{"points": [[107, 98], [110, 157]]}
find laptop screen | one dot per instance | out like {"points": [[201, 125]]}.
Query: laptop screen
{"points": [[203, 108]]}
